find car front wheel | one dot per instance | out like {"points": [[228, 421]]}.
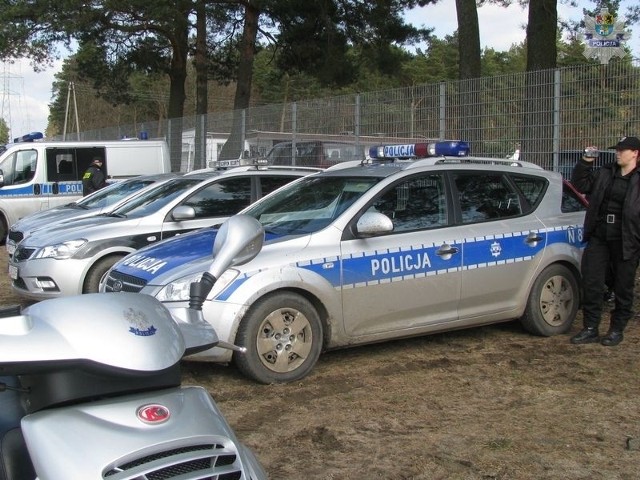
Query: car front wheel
{"points": [[282, 334], [102, 266], [553, 302]]}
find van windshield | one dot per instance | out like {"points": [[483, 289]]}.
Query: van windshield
{"points": [[19, 167]]}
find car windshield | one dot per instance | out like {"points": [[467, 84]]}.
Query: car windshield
{"points": [[113, 193], [309, 205], [155, 198]]}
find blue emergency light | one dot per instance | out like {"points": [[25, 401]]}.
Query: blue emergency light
{"points": [[455, 148], [29, 137]]}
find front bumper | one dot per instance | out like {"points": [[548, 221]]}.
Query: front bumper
{"points": [[44, 278], [223, 316]]}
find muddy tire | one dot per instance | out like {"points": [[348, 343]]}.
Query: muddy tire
{"points": [[553, 302], [283, 337]]}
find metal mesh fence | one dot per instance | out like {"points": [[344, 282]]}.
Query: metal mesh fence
{"points": [[547, 116]]}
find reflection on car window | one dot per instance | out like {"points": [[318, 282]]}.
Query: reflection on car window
{"points": [[531, 188], [485, 196], [113, 193], [221, 199], [309, 205], [570, 201], [415, 204], [269, 183], [156, 198]]}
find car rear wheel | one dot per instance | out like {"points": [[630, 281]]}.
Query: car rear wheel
{"points": [[283, 337], [553, 302], [102, 266]]}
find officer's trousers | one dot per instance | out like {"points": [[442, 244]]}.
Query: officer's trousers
{"points": [[598, 257]]}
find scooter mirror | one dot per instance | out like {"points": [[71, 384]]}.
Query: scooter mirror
{"points": [[238, 241]]}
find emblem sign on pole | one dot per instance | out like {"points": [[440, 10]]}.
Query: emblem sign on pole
{"points": [[604, 36]]}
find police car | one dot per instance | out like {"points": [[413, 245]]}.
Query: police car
{"points": [[69, 258], [101, 201], [419, 239]]}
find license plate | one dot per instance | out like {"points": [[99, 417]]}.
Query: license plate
{"points": [[11, 247], [13, 272]]}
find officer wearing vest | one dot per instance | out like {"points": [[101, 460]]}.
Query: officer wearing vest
{"points": [[93, 178], [612, 233]]}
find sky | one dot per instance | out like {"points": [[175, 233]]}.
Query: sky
{"points": [[25, 95]]}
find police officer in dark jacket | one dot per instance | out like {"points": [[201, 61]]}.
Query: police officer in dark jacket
{"points": [[93, 178], [612, 230]]}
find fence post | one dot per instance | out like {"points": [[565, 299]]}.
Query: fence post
{"points": [[294, 127], [356, 123], [243, 133], [556, 120], [200, 143], [443, 111]]}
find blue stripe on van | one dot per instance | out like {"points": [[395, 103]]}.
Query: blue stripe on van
{"points": [[64, 188], [16, 192]]}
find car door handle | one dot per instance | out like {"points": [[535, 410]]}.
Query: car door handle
{"points": [[533, 237], [446, 250]]}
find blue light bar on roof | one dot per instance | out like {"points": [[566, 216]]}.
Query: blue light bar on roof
{"points": [[455, 148], [29, 137]]}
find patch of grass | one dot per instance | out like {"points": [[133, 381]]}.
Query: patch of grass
{"points": [[499, 444]]}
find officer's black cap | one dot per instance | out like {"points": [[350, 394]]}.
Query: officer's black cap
{"points": [[627, 143]]}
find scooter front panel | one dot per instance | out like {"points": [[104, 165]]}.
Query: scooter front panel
{"points": [[106, 439]]}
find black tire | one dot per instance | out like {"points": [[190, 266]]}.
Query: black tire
{"points": [[276, 352], [553, 302], [4, 230], [97, 270]]}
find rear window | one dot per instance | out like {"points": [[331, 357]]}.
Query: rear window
{"points": [[532, 188], [486, 196], [572, 201]]}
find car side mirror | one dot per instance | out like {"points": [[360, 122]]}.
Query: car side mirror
{"points": [[371, 224], [183, 212]]}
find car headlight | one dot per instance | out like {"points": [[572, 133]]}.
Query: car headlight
{"points": [[178, 290], [61, 251]]}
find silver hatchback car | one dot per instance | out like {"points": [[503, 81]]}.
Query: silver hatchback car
{"points": [[70, 258], [384, 249], [99, 202]]}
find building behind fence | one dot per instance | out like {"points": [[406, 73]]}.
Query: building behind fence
{"points": [[548, 116]]}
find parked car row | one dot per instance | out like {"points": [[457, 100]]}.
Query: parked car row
{"points": [[416, 239], [70, 257]]}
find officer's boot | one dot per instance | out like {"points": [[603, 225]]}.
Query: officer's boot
{"points": [[586, 335], [614, 336]]}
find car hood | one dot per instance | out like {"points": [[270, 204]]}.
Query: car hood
{"points": [[50, 217], [155, 260], [91, 228]]}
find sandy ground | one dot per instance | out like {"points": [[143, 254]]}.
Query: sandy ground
{"points": [[486, 403]]}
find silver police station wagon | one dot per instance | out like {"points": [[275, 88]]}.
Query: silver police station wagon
{"points": [[382, 249]]}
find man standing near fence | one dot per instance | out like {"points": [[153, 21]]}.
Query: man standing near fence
{"points": [[612, 230]]}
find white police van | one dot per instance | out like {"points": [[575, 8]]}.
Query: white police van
{"points": [[382, 249], [37, 175]]}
